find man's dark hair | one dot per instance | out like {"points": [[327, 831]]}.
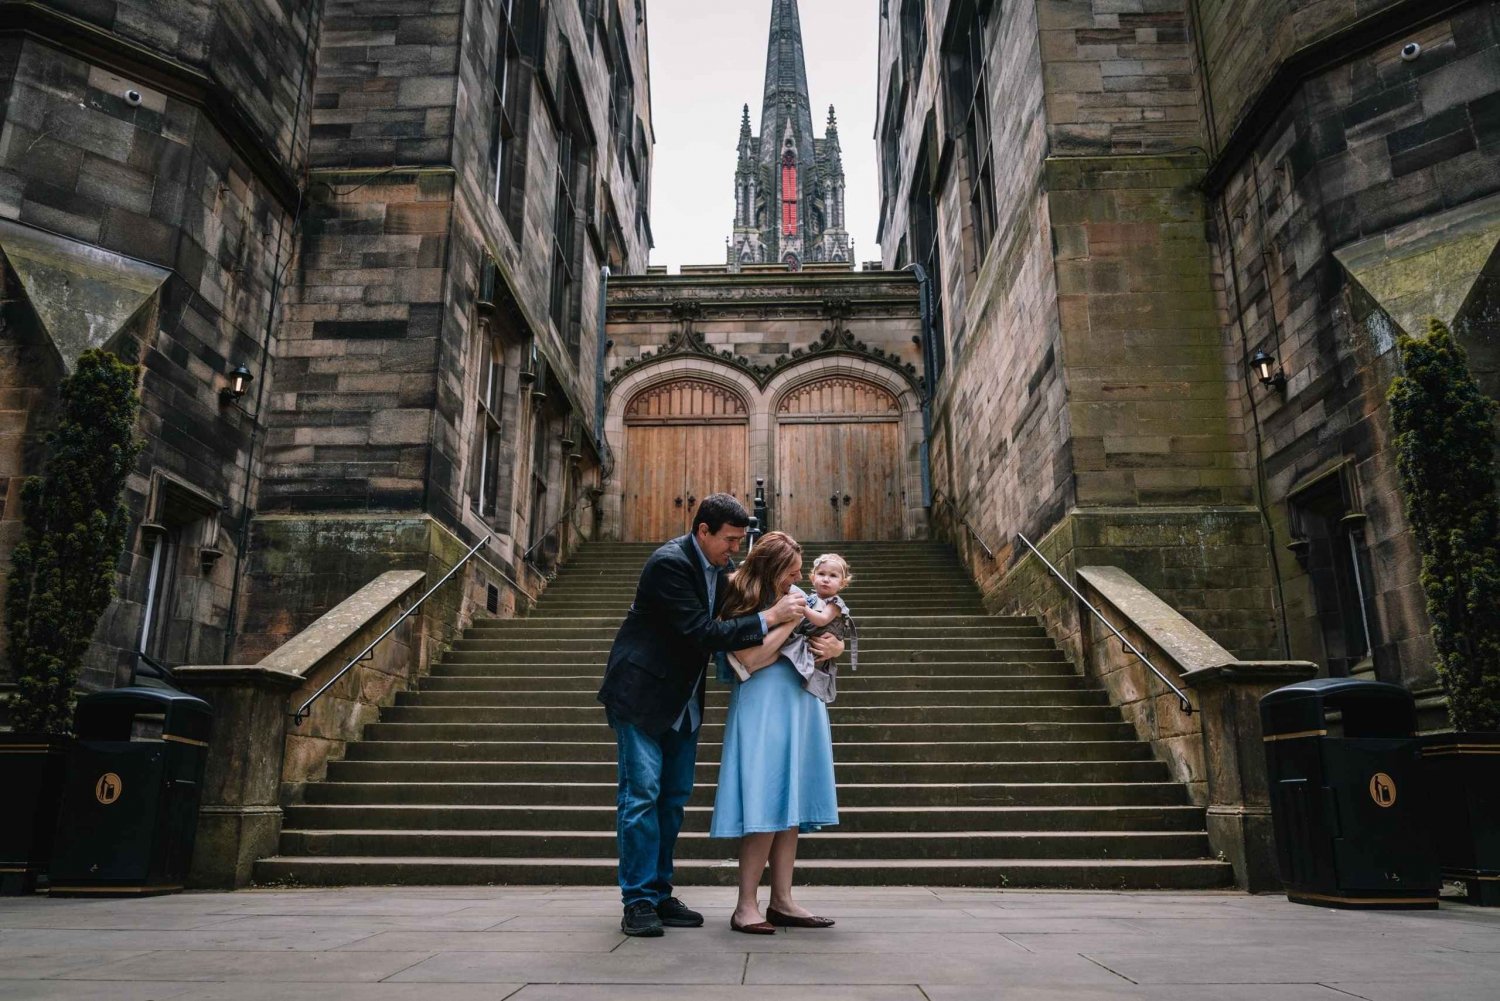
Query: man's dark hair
{"points": [[717, 510]]}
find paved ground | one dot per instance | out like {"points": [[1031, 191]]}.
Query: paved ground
{"points": [[551, 944]]}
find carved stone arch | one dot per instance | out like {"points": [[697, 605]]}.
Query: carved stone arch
{"points": [[728, 390], [845, 391], [671, 369], [687, 400], [839, 395], [885, 377]]}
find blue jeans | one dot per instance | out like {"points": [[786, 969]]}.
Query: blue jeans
{"points": [[655, 781]]}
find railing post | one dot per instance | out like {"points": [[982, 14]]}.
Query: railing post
{"points": [[753, 534], [761, 512]]}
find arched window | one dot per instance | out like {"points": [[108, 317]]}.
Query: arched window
{"points": [[789, 194]]}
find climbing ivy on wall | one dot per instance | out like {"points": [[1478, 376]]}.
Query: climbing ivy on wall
{"points": [[1445, 454], [63, 570]]}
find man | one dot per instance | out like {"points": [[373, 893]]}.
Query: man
{"points": [[653, 693]]}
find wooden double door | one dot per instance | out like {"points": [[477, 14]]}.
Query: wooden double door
{"points": [[838, 445], [683, 441], [838, 449]]}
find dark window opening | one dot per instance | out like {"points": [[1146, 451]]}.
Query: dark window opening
{"points": [[1328, 539], [968, 104], [573, 208], [926, 243], [913, 40], [519, 28]]}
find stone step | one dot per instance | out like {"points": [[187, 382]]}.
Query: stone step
{"points": [[528, 629], [1027, 873], [591, 806], [841, 714], [861, 697], [603, 749], [909, 659], [611, 623], [981, 678], [828, 844], [842, 732], [870, 645], [351, 781]]}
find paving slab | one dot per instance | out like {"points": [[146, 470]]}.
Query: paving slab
{"points": [[901, 944]]}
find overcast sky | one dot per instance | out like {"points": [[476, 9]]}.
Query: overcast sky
{"points": [[708, 59]]}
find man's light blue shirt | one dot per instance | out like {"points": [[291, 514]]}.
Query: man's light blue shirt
{"points": [[691, 716]]}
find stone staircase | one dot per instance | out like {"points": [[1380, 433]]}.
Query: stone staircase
{"points": [[968, 753]]}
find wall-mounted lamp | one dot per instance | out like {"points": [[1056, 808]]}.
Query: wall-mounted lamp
{"points": [[1266, 369], [239, 383]]}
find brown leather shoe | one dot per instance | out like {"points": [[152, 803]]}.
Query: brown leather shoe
{"points": [[784, 920], [758, 928]]}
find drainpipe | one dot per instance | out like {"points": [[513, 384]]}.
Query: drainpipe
{"points": [[929, 366], [604, 346]]}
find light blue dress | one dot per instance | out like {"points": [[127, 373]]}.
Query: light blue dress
{"points": [[776, 771]]}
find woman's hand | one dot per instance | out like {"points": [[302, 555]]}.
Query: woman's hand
{"points": [[756, 657], [826, 647]]}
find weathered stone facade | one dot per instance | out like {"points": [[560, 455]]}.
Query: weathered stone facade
{"points": [[395, 216], [147, 159], [1118, 206]]}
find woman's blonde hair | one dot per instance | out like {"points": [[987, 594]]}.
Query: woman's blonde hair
{"points": [[752, 586], [841, 564]]}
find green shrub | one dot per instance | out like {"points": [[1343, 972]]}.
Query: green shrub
{"points": [[63, 570], [1445, 453]]}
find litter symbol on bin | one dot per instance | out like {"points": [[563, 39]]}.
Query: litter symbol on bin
{"points": [[1383, 789], [108, 788]]}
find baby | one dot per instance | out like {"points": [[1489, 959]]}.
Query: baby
{"points": [[826, 614]]}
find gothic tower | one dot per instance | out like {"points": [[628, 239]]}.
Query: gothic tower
{"points": [[789, 184]]}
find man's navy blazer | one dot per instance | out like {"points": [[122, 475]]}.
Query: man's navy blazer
{"points": [[662, 649]]}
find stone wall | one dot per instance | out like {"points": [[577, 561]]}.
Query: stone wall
{"points": [[154, 224], [1368, 204]]}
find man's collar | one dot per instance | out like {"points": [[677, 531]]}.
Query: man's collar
{"points": [[699, 550]]}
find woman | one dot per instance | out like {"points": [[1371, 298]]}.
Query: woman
{"points": [[776, 770]]}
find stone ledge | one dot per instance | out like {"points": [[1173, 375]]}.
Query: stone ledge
{"points": [[309, 648]]}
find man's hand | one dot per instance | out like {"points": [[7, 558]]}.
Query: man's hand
{"points": [[791, 606], [826, 647]]}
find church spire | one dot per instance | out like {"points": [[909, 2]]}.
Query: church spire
{"points": [[786, 80]]}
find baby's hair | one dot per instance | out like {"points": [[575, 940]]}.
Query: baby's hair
{"points": [[839, 563]]}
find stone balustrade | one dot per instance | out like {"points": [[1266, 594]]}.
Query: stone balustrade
{"points": [[1217, 751], [257, 759]]}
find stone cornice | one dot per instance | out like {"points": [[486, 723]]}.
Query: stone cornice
{"points": [[836, 339]]}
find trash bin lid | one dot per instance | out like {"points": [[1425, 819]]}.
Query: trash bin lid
{"points": [[1369, 708], [106, 715]]}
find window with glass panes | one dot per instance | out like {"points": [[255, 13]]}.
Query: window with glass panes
{"points": [[540, 455], [925, 244], [518, 28], [968, 106], [913, 39], [574, 205], [489, 394]]}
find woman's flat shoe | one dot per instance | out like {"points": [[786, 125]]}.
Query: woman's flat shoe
{"points": [[758, 928], [775, 917]]}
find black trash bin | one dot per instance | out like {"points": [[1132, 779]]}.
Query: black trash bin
{"points": [[1347, 799], [130, 801]]}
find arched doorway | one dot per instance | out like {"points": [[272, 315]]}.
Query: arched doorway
{"points": [[838, 461], [684, 439]]}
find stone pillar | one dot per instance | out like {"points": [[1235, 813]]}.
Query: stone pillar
{"points": [[1239, 798], [239, 817]]}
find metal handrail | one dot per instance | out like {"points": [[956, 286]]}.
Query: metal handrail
{"points": [[577, 506], [963, 520], [1187, 706], [302, 713], [161, 670]]}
